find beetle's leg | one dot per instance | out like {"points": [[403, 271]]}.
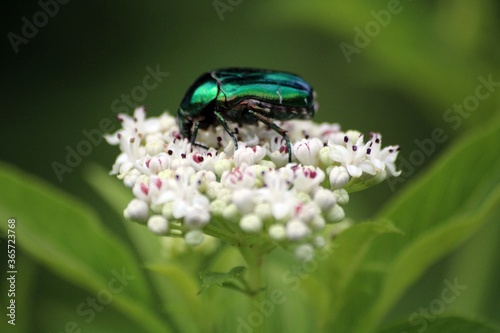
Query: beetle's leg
{"points": [[226, 128], [276, 128], [195, 135]]}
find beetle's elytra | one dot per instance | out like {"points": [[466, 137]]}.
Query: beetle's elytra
{"points": [[244, 96]]}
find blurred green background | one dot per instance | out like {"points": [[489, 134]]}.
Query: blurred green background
{"points": [[399, 77]]}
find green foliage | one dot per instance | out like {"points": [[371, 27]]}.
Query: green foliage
{"points": [[67, 237], [223, 279]]}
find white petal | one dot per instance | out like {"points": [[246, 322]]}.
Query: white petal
{"points": [[354, 171], [180, 209], [280, 210]]}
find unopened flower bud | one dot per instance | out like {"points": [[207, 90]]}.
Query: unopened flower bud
{"points": [[137, 210]]}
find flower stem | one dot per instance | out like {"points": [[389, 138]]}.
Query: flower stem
{"points": [[254, 282], [254, 270], [254, 253]]}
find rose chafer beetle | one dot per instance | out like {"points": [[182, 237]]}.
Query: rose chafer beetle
{"points": [[244, 96]]}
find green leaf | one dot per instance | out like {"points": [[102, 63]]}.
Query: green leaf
{"points": [[118, 196], [222, 279], [476, 264], [179, 287], [67, 237], [173, 284], [351, 248], [344, 262], [431, 324]]}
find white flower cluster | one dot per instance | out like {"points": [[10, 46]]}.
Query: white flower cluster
{"points": [[188, 191]]}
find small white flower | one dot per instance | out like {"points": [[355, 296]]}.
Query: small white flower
{"points": [[277, 232], [230, 212], [166, 122], [243, 176], [137, 210], [328, 132], [243, 199], [205, 161], [217, 191], [158, 224], [251, 223], [336, 214], [202, 179], [307, 178], [198, 213], [153, 165], [136, 126], [317, 223], [306, 212], [183, 197], [229, 147], [194, 237], [388, 155], [319, 242], [341, 196], [385, 158], [222, 165], [324, 198], [339, 177], [142, 125], [129, 174], [131, 151], [352, 156], [304, 252], [324, 156], [276, 192], [150, 188], [263, 210], [277, 150], [248, 155], [217, 207], [154, 147], [307, 151], [296, 230]]}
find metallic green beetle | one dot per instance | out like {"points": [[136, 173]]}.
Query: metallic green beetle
{"points": [[244, 96]]}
